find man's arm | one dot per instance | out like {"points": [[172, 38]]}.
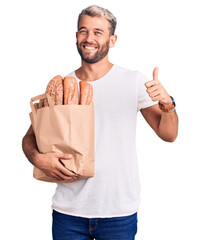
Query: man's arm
{"points": [[165, 124], [29, 147], [47, 162]]}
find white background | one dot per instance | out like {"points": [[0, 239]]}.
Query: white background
{"points": [[38, 42]]}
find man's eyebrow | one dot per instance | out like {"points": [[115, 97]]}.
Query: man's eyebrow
{"points": [[98, 29], [81, 28]]}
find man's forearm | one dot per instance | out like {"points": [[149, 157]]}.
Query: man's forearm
{"points": [[168, 126], [30, 149]]}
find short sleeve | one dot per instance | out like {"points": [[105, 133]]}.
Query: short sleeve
{"points": [[144, 100]]}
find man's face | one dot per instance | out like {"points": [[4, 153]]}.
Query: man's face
{"points": [[93, 40]]}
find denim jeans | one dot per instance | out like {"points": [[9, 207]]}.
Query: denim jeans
{"points": [[67, 227]]}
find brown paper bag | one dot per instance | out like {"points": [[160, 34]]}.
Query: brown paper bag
{"points": [[67, 129]]}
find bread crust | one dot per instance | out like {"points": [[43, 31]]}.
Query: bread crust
{"points": [[55, 91], [86, 93], [65, 91], [70, 86]]}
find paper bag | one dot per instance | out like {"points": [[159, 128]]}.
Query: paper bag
{"points": [[67, 129]]}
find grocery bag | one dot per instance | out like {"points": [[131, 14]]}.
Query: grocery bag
{"points": [[67, 129]]}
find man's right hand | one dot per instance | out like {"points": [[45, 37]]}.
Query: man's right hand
{"points": [[50, 164]]}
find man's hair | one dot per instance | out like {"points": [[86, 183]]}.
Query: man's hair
{"points": [[96, 11]]}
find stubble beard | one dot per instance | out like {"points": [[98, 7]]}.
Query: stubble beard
{"points": [[99, 55]]}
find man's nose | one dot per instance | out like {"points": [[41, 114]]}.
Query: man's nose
{"points": [[89, 37]]}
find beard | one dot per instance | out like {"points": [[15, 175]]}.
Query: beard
{"points": [[96, 57]]}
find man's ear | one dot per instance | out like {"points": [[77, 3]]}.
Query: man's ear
{"points": [[113, 40], [76, 34]]}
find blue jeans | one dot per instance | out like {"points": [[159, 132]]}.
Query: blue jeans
{"points": [[67, 227]]}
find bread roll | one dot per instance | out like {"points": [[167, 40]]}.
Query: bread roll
{"points": [[86, 93], [70, 90]]}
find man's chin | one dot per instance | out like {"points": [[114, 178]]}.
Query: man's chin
{"points": [[90, 61]]}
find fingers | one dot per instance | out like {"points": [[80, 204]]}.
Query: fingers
{"points": [[155, 73], [151, 89], [54, 167], [151, 83], [156, 97], [59, 171], [63, 155], [62, 177], [62, 173], [155, 80], [153, 86], [156, 91], [61, 167]]}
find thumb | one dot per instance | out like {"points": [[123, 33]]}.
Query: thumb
{"points": [[155, 73]]}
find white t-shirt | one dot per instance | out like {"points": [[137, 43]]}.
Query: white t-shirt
{"points": [[114, 191]]}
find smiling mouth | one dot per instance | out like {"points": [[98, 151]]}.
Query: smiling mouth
{"points": [[89, 47]]}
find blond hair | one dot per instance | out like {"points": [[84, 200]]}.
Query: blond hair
{"points": [[96, 11]]}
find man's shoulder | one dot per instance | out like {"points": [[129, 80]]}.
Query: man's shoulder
{"points": [[127, 71]]}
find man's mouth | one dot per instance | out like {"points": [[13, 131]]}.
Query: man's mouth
{"points": [[88, 47]]}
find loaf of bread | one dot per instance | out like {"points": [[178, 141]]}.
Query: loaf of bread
{"points": [[55, 91], [86, 93], [65, 91], [70, 90]]}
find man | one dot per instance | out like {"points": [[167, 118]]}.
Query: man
{"points": [[105, 206]]}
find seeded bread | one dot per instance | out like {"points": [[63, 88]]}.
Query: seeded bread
{"points": [[55, 91]]}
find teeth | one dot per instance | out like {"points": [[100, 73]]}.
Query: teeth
{"points": [[90, 48]]}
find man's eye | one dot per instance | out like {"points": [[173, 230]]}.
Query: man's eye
{"points": [[98, 33], [82, 31]]}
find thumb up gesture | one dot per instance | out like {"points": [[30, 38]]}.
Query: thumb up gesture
{"points": [[156, 91]]}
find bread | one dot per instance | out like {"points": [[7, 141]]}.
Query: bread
{"points": [[65, 91], [70, 90], [36, 105], [55, 91], [41, 103], [86, 93]]}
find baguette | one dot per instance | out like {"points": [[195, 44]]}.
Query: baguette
{"points": [[70, 90], [65, 91], [86, 93]]}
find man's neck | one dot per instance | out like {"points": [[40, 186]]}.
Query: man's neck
{"points": [[95, 71]]}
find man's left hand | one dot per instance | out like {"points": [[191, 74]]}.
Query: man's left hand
{"points": [[156, 91]]}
